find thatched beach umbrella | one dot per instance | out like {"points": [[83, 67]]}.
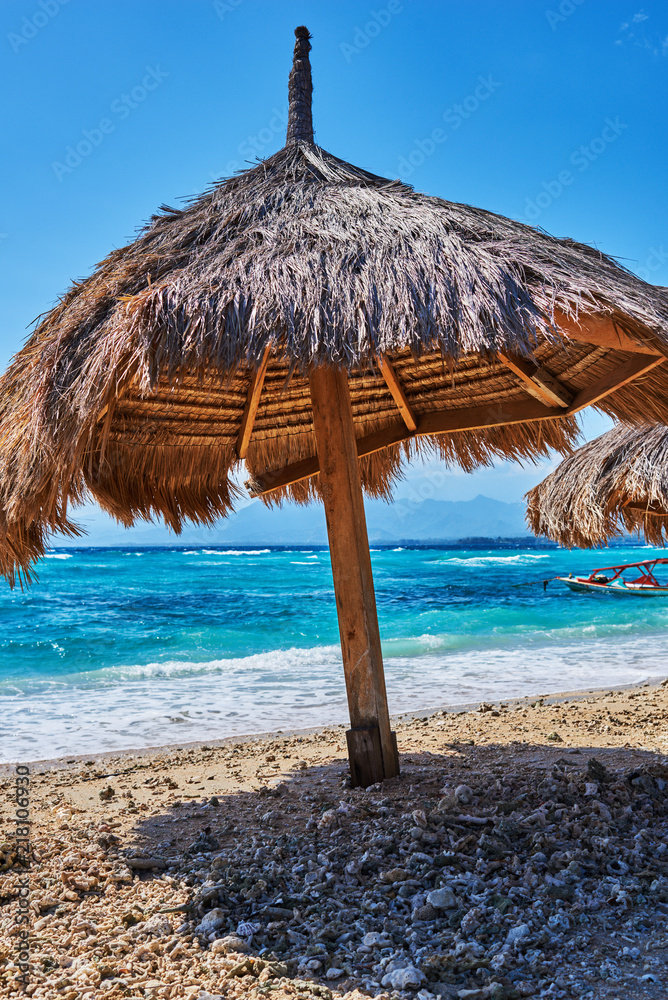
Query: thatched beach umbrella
{"points": [[616, 483], [322, 324]]}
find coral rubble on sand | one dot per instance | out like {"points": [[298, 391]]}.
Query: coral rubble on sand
{"points": [[483, 872]]}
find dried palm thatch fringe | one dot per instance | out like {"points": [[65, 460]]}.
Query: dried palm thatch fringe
{"points": [[132, 389], [615, 484]]}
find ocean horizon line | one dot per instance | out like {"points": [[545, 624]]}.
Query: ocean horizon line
{"points": [[465, 541]]}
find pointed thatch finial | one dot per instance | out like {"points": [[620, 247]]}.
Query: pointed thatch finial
{"points": [[300, 91]]}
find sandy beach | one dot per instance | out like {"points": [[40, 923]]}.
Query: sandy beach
{"points": [[522, 852]]}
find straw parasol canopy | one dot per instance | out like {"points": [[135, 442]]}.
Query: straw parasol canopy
{"points": [[189, 349], [457, 327], [616, 483], [322, 324]]}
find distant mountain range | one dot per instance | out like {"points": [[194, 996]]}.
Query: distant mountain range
{"points": [[256, 524]]}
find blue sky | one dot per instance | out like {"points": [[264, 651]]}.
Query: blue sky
{"points": [[160, 97]]}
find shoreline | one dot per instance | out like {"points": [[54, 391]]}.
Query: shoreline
{"points": [[94, 692], [48, 764]]}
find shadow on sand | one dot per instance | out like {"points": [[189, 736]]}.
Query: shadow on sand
{"points": [[503, 869]]}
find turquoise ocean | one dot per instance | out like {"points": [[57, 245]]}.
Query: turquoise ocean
{"points": [[131, 647]]}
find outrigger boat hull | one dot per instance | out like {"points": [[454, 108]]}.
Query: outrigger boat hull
{"points": [[583, 585]]}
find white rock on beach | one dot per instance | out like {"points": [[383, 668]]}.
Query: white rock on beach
{"points": [[517, 934], [211, 921], [230, 943], [373, 940], [401, 979], [463, 795], [157, 926]]}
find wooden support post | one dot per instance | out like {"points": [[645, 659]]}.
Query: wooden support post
{"points": [[372, 747]]}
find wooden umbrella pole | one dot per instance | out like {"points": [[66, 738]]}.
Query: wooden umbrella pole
{"points": [[372, 746]]}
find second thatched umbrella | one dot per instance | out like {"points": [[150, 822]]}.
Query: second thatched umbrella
{"points": [[616, 483], [320, 323]]}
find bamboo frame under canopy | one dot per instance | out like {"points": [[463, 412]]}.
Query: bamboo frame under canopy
{"points": [[322, 324], [615, 484]]}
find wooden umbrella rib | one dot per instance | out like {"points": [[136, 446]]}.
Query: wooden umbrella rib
{"points": [[616, 379], [537, 381], [602, 331], [397, 390], [252, 403]]}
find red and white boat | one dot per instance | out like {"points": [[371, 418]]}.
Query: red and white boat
{"points": [[637, 579]]}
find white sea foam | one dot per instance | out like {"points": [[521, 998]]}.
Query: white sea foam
{"points": [[175, 701], [57, 555], [235, 552], [473, 561]]}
